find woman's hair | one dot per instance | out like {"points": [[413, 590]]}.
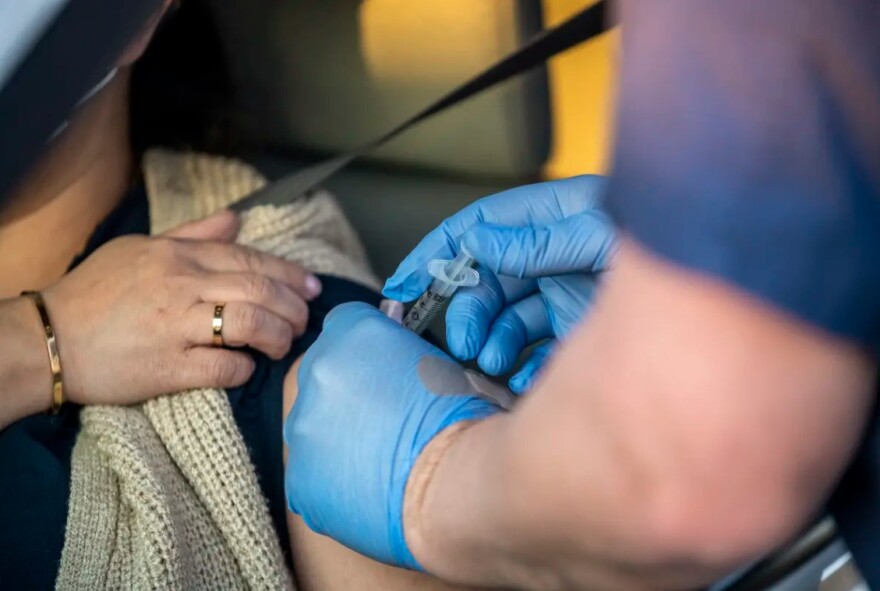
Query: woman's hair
{"points": [[181, 88]]}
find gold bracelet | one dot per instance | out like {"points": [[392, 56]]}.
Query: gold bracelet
{"points": [[52, 347]]}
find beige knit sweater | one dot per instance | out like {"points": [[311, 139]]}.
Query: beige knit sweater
{"points": [[163, 494]]}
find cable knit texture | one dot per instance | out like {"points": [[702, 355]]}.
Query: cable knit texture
{"points": [[163, 494], [312, 231]]}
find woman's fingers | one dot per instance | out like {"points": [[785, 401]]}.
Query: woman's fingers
{"points": [[275, 296], [244, 325], [151, 318], [204, 367], [233, 258]]}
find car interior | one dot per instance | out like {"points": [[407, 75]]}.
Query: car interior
{"points": [[314, 79], [320, 78]]}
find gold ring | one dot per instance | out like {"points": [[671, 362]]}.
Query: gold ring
{"points": [[217, 325]]}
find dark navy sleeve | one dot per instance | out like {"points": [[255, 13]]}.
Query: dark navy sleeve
{"points": [[748, 148], [257, 405]]}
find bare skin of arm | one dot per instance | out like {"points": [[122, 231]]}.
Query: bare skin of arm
{"points": [[682, 430], [325, 565]]}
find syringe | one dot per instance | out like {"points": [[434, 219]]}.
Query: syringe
{"points": [[448, 277]]}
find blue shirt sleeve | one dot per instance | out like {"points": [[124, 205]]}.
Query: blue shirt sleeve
{"points": [[748, 148]]}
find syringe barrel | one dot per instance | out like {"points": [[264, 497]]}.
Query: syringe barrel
{"points": [[443, 289], [425, 309], [448, 277]]}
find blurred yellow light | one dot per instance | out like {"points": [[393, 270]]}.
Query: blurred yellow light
{"points": [[459, 37], [582, 88]]}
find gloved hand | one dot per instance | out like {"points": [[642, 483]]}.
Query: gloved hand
{"points": [[539, 248], [372, 395]]}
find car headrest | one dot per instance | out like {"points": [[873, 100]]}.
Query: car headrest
{"points": [[324, 76]]}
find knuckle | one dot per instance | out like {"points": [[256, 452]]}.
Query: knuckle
{"points": [[288, 333], [161, 256], [242, 368], [477, 307], [285, 338], [301, 316], [134, 245], [365, 327], [260, 288], [323, 370], [165, 249], [511, 323], [510, 253], [166, 370], [183, 288], [247, 258], [252, 320], [173, 288], [221, 370], [143, 254]]}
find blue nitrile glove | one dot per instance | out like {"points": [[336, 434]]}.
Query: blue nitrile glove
{"points": [[496, 320], [372, 394], [539, 248]]}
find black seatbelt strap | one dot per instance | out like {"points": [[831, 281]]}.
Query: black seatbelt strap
{"points": [[77, 51], [582, 27]]}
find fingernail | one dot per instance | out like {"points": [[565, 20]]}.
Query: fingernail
{"points": [[313, 286]]}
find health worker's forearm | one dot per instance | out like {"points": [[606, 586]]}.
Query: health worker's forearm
{"points": [[473, 516], [662, 448]]}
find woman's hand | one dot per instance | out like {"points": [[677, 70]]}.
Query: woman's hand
{"points": [[133, 321]]}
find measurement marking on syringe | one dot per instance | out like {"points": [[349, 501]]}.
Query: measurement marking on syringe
{"points": [[448, 277]]}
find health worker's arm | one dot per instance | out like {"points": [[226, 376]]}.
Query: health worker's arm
{"points": [[706, 408], [683, 430]]}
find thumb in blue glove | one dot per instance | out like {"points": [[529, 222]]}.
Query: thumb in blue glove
{"points": [[531, 205], [580, 243]]}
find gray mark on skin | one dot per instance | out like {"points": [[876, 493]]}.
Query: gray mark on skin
{"points": [[445, 378]]}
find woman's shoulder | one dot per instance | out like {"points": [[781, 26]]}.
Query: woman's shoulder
{"points": [[186, 186], [311, 229]]}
